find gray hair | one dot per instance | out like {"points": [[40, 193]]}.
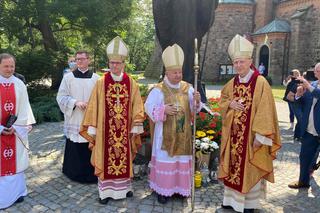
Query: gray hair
{"points": [[317, 66], [6, 56]]}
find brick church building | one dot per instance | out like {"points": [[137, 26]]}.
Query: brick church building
{"points": [[286, 34]]}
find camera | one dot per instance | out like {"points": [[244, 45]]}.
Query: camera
{"points": [[296, 81], [310, 76]]}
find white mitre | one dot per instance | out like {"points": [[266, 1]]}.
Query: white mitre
{"points": [[240, 47], [173, 57], [117, 50]]}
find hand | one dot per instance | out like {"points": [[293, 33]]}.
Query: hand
{"points": [[81, 105], [170, 109], [236, 105], [8, 131], [300, 91], [305, 83], [133, 135], [197, 97], [256, 145]]}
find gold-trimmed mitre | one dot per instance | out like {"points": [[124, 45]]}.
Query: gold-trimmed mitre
{"points": [[173, 57], [117, 50], [240, 47]]}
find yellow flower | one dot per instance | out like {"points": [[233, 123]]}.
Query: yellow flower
{"points": [[211, 131], [200, 134], [210, 137]]}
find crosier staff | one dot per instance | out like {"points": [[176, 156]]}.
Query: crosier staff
{"points": [[196, 72]]}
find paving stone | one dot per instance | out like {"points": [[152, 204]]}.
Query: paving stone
{"points": [[50, 191]]}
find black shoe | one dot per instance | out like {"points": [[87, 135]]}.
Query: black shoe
{"points": [[248, 211], [226, 207], [104, 201], [315, 167], [20, 199], [162, 199], [179, 196], [129, 194]]}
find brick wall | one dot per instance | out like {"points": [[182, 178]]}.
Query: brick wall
{"points": [[230, 19], [287, 8], [263, 13]]}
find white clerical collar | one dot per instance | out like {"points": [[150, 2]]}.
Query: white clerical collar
{"points": [[117, 77], [175, 86], [7, 80], [83, 71], [246, 78]]}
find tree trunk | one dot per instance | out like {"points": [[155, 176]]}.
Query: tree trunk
{"points": [[155, 65], [49, 42]]}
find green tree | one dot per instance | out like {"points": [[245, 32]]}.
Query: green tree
{"points": [[49, 30], [140, 33]]}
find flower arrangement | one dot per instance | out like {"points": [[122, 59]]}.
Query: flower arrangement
{"points": [[205, 145], [208, 134]]}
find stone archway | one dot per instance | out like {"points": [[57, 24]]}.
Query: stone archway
{"points": [[264, 58]]}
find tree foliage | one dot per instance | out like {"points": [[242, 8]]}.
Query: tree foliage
{"points": [[41, 33]]}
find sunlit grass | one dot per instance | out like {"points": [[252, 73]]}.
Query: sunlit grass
{"points": [[278, 92]]}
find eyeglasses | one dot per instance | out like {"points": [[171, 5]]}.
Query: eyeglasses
{"points": [[115, 63], [81, 59]]}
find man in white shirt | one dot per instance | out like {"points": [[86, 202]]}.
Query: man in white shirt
{"points": [[73, 96], [16, 118]]}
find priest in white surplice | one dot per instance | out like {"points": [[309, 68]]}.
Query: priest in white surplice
{"points": [[169, 105], [14, 144], [73, 96]]}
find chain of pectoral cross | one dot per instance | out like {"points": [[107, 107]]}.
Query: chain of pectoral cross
{"points": [[174, 96]]}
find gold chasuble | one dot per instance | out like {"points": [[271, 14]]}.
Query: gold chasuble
{"points": [[177, 139], [241, 167], [113, 109]]}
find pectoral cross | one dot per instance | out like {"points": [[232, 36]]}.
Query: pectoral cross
{"points": [[118, 96]]}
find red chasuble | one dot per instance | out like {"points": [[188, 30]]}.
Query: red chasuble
{"points": [[117, 144], [8, 142], [240, 131]]}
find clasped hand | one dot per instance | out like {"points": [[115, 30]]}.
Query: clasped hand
{"points": [[170, 109], [81, 105], [236, 104], [8, 131]]}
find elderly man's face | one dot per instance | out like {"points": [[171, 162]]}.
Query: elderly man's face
{"points": [[174, 76], [317, 72], [116, 67], [242, 66], [7, 67]]}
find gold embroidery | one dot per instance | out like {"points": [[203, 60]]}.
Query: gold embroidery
{"points": [[238, 130], [117, 103]]}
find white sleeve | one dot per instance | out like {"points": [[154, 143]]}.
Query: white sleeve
{"points": [[92, 130], [137, 129], [190, 94], [22, 131], [65, 101], [154, 105], [263, 139]]}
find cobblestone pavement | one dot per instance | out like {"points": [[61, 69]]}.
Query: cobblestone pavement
{"points": [[50, 191]]}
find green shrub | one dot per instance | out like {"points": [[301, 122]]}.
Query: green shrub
{"points": [[45, 108]]}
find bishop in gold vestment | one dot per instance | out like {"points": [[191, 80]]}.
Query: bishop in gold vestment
{"points": [[169, 106], [250, 132], [112, 124]]}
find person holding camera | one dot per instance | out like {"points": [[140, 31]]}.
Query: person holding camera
{"points": [[292, 84], [307, 96], [16, 118]]}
